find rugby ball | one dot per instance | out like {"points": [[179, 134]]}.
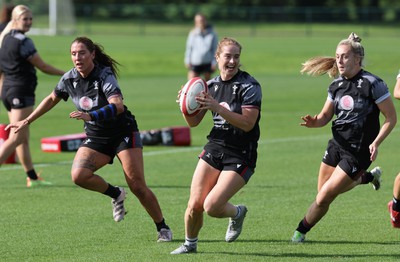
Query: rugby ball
{"points": [[187, 99]]}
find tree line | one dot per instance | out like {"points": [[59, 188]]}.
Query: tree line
{"points": [[243, 10]]}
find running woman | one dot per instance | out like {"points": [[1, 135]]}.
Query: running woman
{"points": [[357, 98], [19, 59], [110, 127], [229, 158]]}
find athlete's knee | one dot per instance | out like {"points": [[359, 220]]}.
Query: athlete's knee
{"points": [[195, 206], [324, 199], [140, 190], [78, 177], [213, 208]]}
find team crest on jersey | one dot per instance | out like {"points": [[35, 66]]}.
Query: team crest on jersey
{"points": [[75, 84], [215, 87], [96, 85], [346, 102], [86, 103], [359, 81], [234, 89]]}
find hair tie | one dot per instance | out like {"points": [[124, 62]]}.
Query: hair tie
{"points": [[354, 37]]}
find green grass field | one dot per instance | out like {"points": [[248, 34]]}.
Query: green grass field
{"points": [[67, 223]]}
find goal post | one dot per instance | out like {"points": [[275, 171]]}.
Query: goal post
{"points": [[52, 17]]}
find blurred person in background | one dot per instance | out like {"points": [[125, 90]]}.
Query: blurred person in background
{"points": [[357, 98], [18, 60], [201, 46], [5, 15], [110, 128]]}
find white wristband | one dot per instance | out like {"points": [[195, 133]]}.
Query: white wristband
{"points": [[398, 76]]}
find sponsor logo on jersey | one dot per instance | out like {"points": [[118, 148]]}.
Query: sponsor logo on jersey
{"points": [[346, 102], [86, 103]]}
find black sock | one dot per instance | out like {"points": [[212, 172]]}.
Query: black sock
{"points": [[366, 178], [304, 227], [396, 204], [161, 225], [112, 191], [32, 174]]}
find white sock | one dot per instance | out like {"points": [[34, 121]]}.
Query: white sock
{"points": [[190, 241], [239, 211]]}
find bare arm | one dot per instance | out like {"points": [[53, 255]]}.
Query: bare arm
{"points": [[396, 91], [47, 103], [321, 119], [389, 112], [38, 62], [193, 121]]}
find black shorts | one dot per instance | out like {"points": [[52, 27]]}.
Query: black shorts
{"points": [[18, 102], [199, 69], [114, 145], [351, 163], [223, 160]]}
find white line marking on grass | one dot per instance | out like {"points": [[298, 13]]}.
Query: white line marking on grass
{"points": [[180, 150]]}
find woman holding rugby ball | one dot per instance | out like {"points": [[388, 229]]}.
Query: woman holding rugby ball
{"points": [[357, 98], [110, 127], [229, 158]]}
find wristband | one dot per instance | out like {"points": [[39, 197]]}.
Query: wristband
{"points": [[398, 76], [106, 112]]}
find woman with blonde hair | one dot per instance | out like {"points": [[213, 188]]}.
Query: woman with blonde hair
{"points": [[357, 98], [18, 60]]}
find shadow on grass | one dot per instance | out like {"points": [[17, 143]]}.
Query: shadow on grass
{"points": [[310, 254], [307, 255]]}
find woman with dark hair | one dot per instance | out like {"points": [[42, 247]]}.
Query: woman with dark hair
{"points": [[110, 127]]}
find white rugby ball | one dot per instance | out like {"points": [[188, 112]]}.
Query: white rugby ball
{"points": [[187, 100]]}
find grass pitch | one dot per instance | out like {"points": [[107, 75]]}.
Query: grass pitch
{"points": [[67, 223]]}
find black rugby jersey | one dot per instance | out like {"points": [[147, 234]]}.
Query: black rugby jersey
{"points": [[242, 91], [19, 74], [355, 106], [91, 93]]}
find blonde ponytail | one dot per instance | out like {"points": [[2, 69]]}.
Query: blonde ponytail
{"points": [[320, 65]]}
